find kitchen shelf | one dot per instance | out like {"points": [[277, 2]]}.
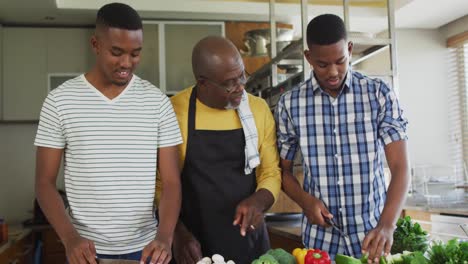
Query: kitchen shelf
{"points": [[363, 49], [265, 82]]}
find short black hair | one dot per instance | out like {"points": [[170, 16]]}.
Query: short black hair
{"points": [[325, 30], [118, 15]]}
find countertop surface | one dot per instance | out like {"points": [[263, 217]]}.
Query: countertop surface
{"points": [[453, 208]]}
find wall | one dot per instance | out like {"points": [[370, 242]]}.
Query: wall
{"points": [[456, 27], [422, 88]]}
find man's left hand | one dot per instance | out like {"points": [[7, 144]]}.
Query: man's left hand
{"points": [[378, 240], [159, 252]]}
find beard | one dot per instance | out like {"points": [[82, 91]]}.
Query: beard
{"points": [[230, 106]]}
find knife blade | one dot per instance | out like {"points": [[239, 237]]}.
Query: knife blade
{"points": [[331, 222]]}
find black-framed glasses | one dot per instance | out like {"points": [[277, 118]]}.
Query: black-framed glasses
{"points": [[230, 85]]}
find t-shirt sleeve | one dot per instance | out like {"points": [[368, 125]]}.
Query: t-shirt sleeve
{"points": [[168, 130], [50, 132]]}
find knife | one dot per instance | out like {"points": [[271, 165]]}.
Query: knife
{"points": [[331, 222]]}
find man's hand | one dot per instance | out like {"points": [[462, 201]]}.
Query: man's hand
{"points": [[315, 211], [187, 249], [158, 251], [249, 212], [378, 240], [80, 250]]}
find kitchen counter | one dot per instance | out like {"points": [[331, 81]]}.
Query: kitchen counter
{"points": [[290, 229], [459, 208], [285, 234]]}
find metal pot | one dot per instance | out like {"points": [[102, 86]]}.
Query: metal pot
{"points": [[256, 45], [256, 40]]}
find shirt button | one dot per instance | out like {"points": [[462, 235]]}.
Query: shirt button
{"points": [[336, 155], [334, 130], [339, 182], [341, 209]]}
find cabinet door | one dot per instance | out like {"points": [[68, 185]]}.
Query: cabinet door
{"points": [[149, 60], [179, 42], [1, 73], [24, 72], [69, 50]]}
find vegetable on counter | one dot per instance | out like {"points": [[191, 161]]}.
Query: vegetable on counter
{"points": [[216, 259], [453, 252], [409, 236], [282, 256], [299, 254], [342, 259], [311, 256], [275, 256], [316, 256], [265, 259]]}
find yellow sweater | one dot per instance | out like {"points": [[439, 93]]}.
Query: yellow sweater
{"points": [[268, 172]]}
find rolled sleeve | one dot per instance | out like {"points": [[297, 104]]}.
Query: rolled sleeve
{"points": [[268, 172], [392, 123], [287, 141]]}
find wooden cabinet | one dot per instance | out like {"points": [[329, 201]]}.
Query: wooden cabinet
{"points": [[29, 56], [235, 32], [420, 216], [283, 203], [19, 251]]}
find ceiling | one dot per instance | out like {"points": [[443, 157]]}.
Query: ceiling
{"points": [[366, 15]]}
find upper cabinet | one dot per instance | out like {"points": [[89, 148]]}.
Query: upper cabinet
{"points": [[69, 50], [149, 60], [179, 41], [1, 72], [24, 72], [30, 57], [36, 60]]}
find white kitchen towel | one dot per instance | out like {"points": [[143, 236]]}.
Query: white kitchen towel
{"points": [[252, 157]]}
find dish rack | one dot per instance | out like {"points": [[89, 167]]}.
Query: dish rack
{"points": [[437, 185]]}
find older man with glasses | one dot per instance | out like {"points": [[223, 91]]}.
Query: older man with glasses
{"points": [[229, 160]]}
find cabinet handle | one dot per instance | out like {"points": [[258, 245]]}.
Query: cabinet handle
{"points": [[26, 251]]}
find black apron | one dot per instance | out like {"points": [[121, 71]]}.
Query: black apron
{"points": [[213, 184]]}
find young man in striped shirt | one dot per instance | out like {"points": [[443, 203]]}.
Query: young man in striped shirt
{"points": [[115, 130], [342, 121]]}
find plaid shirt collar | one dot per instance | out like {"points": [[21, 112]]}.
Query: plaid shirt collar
{"points": [[316, 86]]}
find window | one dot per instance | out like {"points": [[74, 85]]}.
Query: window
{"points": [[458, 108]]}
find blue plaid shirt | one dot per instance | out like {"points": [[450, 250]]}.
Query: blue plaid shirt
{"points": [[341, 140]]}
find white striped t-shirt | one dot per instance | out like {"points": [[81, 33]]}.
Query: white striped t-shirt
{"points": [[110, 158]]}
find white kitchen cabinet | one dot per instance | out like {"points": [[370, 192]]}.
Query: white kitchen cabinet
{"points": [[30, 55], [179, 42], [24, 73], [149, 62], [69, 50], [1, 72]]}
